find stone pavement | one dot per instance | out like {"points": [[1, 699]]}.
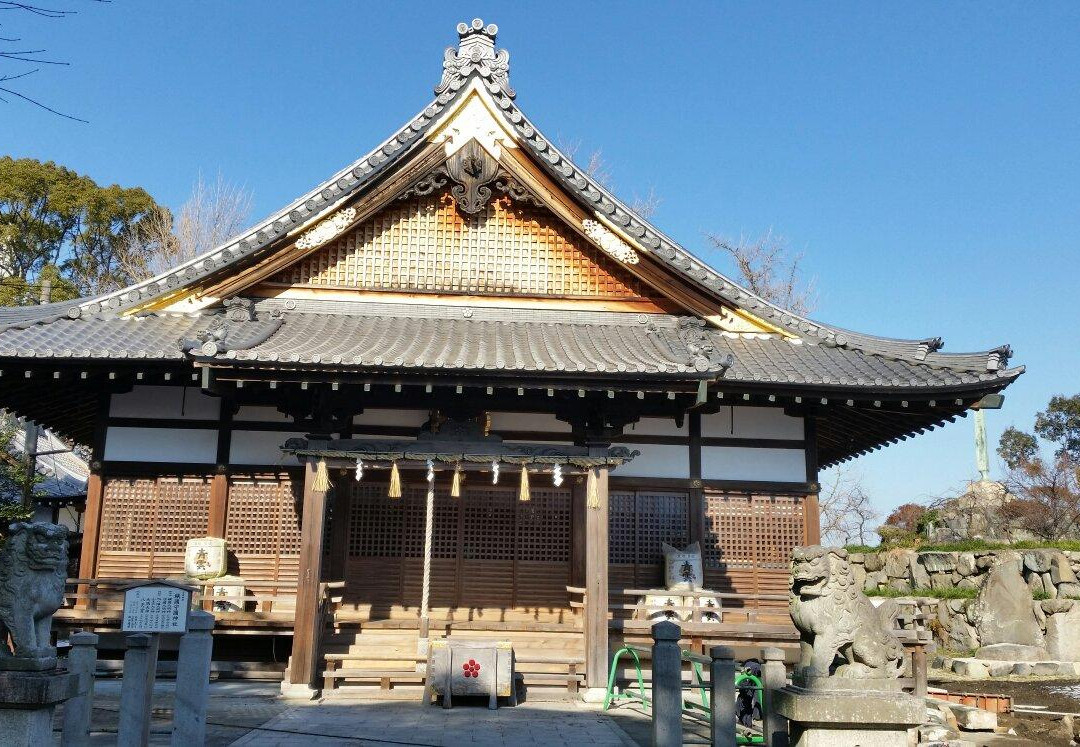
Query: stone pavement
{"points": [[253, 713], [371, 722]]}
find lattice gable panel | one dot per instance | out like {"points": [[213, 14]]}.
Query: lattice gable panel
{"points": [[424, 243]]}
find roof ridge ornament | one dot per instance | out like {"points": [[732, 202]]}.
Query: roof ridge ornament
{"points": [[476, 54]]}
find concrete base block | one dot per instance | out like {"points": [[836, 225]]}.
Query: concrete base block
{"points": [[850, 717], [299, 692], [27, 702]]}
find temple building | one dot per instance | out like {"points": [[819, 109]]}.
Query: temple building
{"points": [[461, 389]]}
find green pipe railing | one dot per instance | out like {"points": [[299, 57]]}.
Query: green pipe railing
{"points": [[698, 682]]}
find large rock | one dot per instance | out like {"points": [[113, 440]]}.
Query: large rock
{"points": [[873, 562], [1011, 652], [962, 635], [920, 579], [965, 564], [1038, 560], [1002, 610], [874, 581], [1035, 583], [968, 582], [1060, 570], [984, 562], [898, 562], [1072, 591], [1063, 634], [941, 581], [971, 668], [938, 562]]}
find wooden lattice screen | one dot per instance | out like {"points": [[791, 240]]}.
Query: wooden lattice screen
{"points": [[749, 539], [146, 523], [262, 528], [488, 548], [638, 523], [427, 244], [491, 523]]}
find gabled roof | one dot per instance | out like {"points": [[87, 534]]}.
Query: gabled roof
{"points": [[476, 65]]}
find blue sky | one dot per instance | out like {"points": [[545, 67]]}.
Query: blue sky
{"points": [[924, 157]]}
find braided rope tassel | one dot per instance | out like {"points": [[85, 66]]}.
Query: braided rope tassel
{"points": [[321, 481], [523, 491], [395, 482], [592, 490]]}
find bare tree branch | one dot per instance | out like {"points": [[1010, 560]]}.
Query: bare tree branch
{"points": [[770, 270], [846, 514]]}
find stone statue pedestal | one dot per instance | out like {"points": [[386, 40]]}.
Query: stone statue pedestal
{"points": [[849, 713], [27, 702]]}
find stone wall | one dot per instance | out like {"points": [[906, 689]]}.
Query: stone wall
{"points": [[962, 624], [1053, 572]]}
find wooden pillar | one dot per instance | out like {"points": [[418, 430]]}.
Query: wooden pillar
{"points": [[91, 533], [811, 519], [307, 629], [219, 505], [596, 587], [811, 508], [577, 531], [697, 494], [340, 509], [219, 484]]}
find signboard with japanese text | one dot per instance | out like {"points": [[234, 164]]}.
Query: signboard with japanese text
{"points": [[156, 607]]}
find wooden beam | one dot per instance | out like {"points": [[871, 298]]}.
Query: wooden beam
{"points": [[596, 587], [307, 630]]}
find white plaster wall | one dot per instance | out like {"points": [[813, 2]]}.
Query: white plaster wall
{"points": [[261, 447], [727, 463], [656, 460], [657, 427], [752, 422], [161, 445], [149, 401], [258, 413], [527, 421]]}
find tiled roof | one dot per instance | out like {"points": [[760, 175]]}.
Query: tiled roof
{"points": [[476, 59], [403, 337]]}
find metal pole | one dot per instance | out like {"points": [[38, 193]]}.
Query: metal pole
{"points": [[722, 696], [81, 661], [773, 677], [666, 685]]}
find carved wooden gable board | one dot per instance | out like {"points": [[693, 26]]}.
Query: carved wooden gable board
{"points": [[510, 245]]}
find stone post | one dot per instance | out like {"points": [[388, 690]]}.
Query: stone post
{"points": [[193, 680], [773, 677], [81, 662], [722, 696], [666, 685], [137, 690]]}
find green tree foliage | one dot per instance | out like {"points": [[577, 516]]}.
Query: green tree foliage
{"points": [[1046, 490], [12, 480], [56, 223]]}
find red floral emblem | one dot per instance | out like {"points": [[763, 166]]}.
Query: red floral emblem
{"points": [[471, 668]]}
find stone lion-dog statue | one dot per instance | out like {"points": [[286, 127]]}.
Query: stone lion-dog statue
{"points": [[842, 634], [33, 570]]}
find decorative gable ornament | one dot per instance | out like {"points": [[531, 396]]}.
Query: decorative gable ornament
{"points": [[476, 54], [609, 242], [473, 169], [327, 230]]}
